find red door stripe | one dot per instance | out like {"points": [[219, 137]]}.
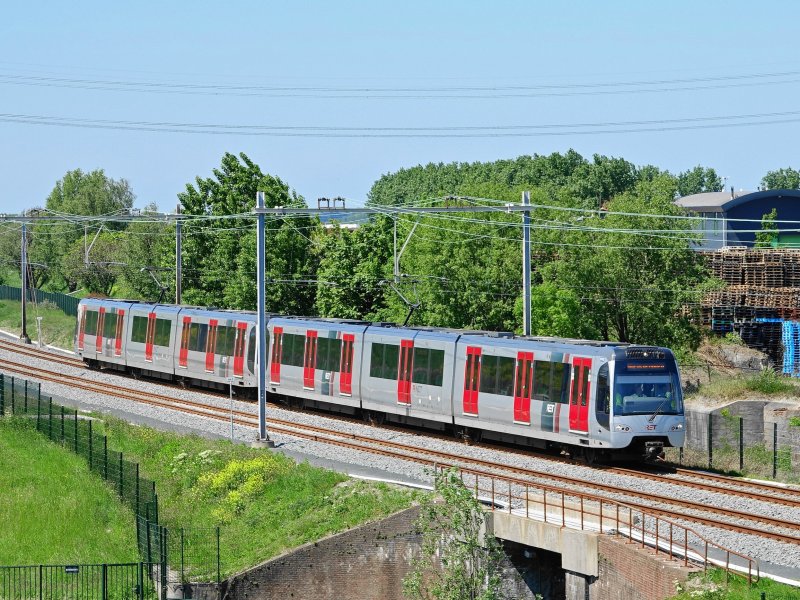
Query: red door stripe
{"points": [[346, 365], [238, 349], [149, 335], [472, 380], [310, 359], [98, 338], [211, 345], [118, 336], [183, 356], [404, 368], [277, 353], [81, 333]]}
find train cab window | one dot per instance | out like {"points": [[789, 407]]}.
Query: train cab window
{"points": [[138, 330], [91, 323], [251, 351], [542, 375], [603, 407], [110, 325], [163, 329], [559, 390]]}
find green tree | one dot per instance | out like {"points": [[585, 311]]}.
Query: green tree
{"points": [[782, 179], [458, 561], [633, 273], [353, 269], [597, 182], [77, 193], [768, 236], [698, 180], [99, 275], [220, 255]]}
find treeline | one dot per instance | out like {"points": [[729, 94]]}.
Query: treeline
{"points": [[614, 275]]}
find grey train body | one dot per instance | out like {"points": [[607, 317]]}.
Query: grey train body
{"points": [[583, 397]]}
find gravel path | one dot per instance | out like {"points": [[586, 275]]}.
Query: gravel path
{"points": [[364, 463]]}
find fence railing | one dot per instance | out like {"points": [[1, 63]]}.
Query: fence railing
{"points": [[170, 556], [128, 581], [588, 512], [66, 303]]}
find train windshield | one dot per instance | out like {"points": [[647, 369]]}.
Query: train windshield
{"points": [[639, 390]]}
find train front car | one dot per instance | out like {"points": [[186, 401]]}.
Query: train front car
{"points": [[645, 403]]}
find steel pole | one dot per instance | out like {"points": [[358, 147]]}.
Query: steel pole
{"points": [[178, 258], [261, 357], [526, 265], [24, 276]]}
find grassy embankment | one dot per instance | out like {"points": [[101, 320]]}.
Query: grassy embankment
{"points": [[52, 509], [264, 502], [712, 586], [58, 328]]}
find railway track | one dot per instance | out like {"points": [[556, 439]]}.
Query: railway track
{"points": [[32, 351], [556, 483]]}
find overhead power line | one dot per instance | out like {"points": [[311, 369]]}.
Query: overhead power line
{"points": [[482, 131]]}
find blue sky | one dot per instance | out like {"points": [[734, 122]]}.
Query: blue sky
{"points": [[379, 45]]}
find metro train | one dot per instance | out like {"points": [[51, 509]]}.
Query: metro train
{"points": [[585, 398]]}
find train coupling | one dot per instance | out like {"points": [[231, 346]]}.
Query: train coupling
{"points": [[653, 451]]}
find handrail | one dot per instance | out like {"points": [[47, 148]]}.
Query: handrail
{"points": [[576, 510]]}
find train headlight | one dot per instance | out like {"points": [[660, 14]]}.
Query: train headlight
{"points": [[677, 427], [621, 428]]}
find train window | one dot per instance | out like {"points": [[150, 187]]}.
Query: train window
{"points": [[422, 357], [293, 352], [488, 374], [436, 376], [138, 330], [91, 323], [163, 329], [559, 391], [505, 376], [384, 361], [251, 351], [376, 361], [603, 395], [226, 338], [197, 337], [542, 375], [329, 354], [585, 385], [110, 325]]}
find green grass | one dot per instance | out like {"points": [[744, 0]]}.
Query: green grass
{"points": [[713, 586], [264, 502], [52, 509], [765, 383], [58, 328]]}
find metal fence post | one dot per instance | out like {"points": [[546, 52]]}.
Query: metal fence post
{"points": [[76, 431], [104, 583], [105, 457], [90, 445], [775, 450], [741, 443], [137, 489], [50, 412], [41, 582], [62, 424], [38, 413], [25, 401], [2, 394], [121, 483], [182, 540], [13, 393], [218, 569], [164, 563], [140, 582]]}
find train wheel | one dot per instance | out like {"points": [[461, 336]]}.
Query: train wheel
{"points": [[468, 436], [374, 418]]}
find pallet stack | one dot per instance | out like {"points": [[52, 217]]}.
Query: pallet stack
{"points": [[762, 292]]}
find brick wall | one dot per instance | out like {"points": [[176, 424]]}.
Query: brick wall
{"points": [[627, 572], [365, 563]]}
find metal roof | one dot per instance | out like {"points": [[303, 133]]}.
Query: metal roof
{"points": [[710, 201]]}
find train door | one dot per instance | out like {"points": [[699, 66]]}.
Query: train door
{"points": [[82, 328], [404, 368], [472, 380], [277, 355], [150, 335], [238, 349], [579, 395], [211, 344], [98, 338], [118, 333], [310, 359], [346, 365], [183, 354], [522, 388]]}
